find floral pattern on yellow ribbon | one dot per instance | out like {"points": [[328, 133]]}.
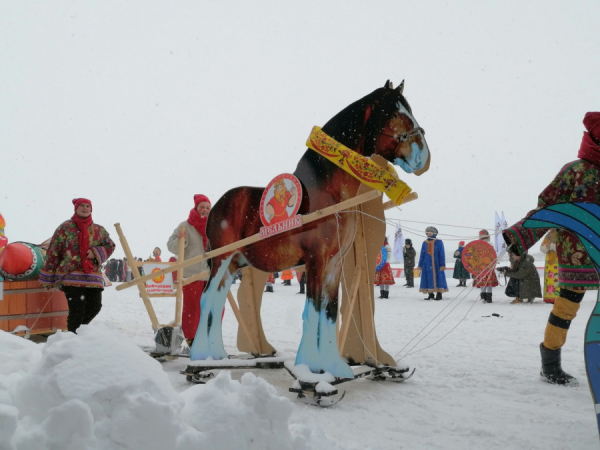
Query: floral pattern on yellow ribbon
{"points": [[359, 166]]}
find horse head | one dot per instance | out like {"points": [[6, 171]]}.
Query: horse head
{"points": [[393, 132]]}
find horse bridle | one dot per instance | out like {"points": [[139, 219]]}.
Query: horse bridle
{"points": [[406, 135]]}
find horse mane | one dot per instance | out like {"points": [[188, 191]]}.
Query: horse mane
{"points": [[357, 125]]}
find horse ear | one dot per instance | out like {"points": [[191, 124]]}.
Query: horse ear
{"points": [[389, 85], [400, 88]]}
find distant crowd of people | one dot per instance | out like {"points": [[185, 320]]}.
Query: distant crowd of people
{"points": [[118, 270]]}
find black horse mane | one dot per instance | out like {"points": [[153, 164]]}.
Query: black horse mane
{"points": [[349, 127]]}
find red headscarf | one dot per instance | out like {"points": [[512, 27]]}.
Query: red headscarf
{"points": [[198, 222], [84, 234], [590, 148]]}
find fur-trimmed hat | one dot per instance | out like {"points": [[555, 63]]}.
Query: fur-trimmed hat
{"points": [[431, 229]]}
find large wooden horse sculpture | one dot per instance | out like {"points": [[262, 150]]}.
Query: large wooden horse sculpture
{"points": [[380, 123]]}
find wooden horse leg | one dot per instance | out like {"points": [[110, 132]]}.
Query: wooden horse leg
{"points": [[360, 341], [250, 299]]}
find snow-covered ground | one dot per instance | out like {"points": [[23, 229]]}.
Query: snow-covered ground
{"points": [[476, 383]]}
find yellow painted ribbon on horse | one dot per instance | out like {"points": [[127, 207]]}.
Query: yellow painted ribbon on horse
{"points": [[360, 167]]}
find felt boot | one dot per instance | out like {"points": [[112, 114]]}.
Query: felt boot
{"points": [[438, 296], [488, 297], [381, 293], [431, 296], [551, 368]]}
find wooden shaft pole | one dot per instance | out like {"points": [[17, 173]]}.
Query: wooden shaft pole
{"points": [[199, 276], [179, 292], [409, 198], [367, 196], [136, 274]]}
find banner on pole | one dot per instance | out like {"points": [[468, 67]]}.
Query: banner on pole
{"points": [[162, 284], [397, 255], [501, 225]]}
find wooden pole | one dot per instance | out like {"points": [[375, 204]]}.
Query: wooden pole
{"points": [[136, 274], [199, 276], [179, 292], [409, 198], [367, 196]]}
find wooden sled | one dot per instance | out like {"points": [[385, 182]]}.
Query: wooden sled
{"points": [[357, 339]]}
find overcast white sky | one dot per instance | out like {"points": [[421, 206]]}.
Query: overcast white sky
{"points": [[139, 105]]}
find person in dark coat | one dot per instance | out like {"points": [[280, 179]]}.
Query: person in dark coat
{"points": [[577, 181], [409, 254], [524, 270], [301, 280], [460, 273]]}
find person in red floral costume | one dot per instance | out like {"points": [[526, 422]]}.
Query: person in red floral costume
{"points": [[577, 181], [384, 277], [76, 253]]}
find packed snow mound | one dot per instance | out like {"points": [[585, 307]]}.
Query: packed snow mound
{"points": [[98, 390], [248, 414]]}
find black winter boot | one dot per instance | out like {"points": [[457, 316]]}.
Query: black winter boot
{"points": [[381, 293], [431, 296], [488, 297], [438, 296], [269, 289], [386, 294], [551, 368]]}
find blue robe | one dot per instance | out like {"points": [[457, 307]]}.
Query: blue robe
{"points": [[433, 278]]}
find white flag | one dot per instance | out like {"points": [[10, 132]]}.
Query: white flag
{"points": [[398, 255], [500, 225]]}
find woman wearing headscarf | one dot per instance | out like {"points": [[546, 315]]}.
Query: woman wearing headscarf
{"points": [[460, 273], [486, 279], [75, 255], [432, 264], [384, 277], [196, 244]]}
